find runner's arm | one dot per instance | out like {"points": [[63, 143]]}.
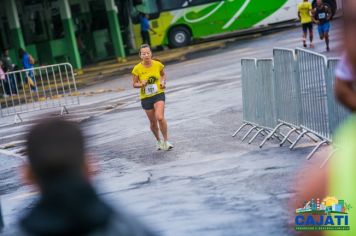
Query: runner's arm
{"points": [[328, 12], [345, 94], [163, 79], [137, 83], [163, 76], [313, 17]]}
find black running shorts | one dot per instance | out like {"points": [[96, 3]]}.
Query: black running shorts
{"points": [[148, 103], [307, 26]]}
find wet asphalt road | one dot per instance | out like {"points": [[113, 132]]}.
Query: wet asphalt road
{"points": [[210, 183]]}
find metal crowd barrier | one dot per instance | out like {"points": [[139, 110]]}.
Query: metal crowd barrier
{"points": [[312, 69], [265, 94], [248, 99], [39, 88], [294, 90], [258, 98], [287, 93], [337, 112]]}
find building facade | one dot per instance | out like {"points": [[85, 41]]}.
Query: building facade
{"points": [[56, 31]]}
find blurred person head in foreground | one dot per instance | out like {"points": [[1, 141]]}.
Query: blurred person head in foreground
{"points": [[68, 204], [346, 70]]}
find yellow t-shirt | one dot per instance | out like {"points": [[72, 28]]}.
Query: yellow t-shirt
{"points": [[152, 75], [304, 9]]}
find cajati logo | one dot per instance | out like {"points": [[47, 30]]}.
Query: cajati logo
{"points": [[329, 214]]}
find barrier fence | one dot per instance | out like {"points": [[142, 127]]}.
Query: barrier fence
{"points": [[258, 106], [293, 90], [39, 88], [337, 113], [287, 93]]}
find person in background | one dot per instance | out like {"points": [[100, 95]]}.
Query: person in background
{"points": [[3, 83], [6, 59], [27, 63], [145, 29], [346, 70], [305, 16], [321, 16], [68, 204], [8, 66]]}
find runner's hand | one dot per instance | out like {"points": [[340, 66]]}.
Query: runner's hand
{"points": [[163, 84], [143, 83]]}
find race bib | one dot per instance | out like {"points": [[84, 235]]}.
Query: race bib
{"points": [[322, 16], [151, 89]]}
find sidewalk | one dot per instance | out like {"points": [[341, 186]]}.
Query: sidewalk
{"points": [[104, 71]]}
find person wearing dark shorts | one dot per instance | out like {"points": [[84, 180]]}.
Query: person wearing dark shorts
{"points": [[304, 15], [321, 16], [150, 78], [148, 103]]}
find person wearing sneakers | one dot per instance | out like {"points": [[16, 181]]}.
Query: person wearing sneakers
{"points": [[150, 78], [305, 16], [321, 16]]}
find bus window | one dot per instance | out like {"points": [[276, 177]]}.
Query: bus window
{"points": [[166, 5], [148, 7], [201, 2]]}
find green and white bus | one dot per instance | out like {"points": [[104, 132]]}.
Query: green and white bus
{"points": [[178, 22]]}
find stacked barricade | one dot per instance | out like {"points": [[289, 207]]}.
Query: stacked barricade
{"points": [[294, 90], [287, 93], [39, 88], [312, 69], [258, 95], [337, 113]]}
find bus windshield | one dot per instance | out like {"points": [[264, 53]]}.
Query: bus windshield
{"points": [[148, 7]]}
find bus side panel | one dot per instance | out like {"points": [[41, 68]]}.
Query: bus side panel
{"points": [[204, 20], [252, 12], [286, 13], [225, 16], [220, 17], [159, 25]]}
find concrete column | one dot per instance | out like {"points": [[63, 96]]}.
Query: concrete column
{"points": [[14, 23], [115, 32], [67, 21]]}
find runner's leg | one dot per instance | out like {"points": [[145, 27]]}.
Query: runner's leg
{"points": [[326, 35], [327, 41], [153, 123], [311, 35], [321, 32], [159, 112], [305, 32]]}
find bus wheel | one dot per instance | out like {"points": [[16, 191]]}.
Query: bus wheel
{"points": [[179, 36]]}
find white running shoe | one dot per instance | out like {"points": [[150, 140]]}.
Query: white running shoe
{"points": [[167, 146], [159, 145]]}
